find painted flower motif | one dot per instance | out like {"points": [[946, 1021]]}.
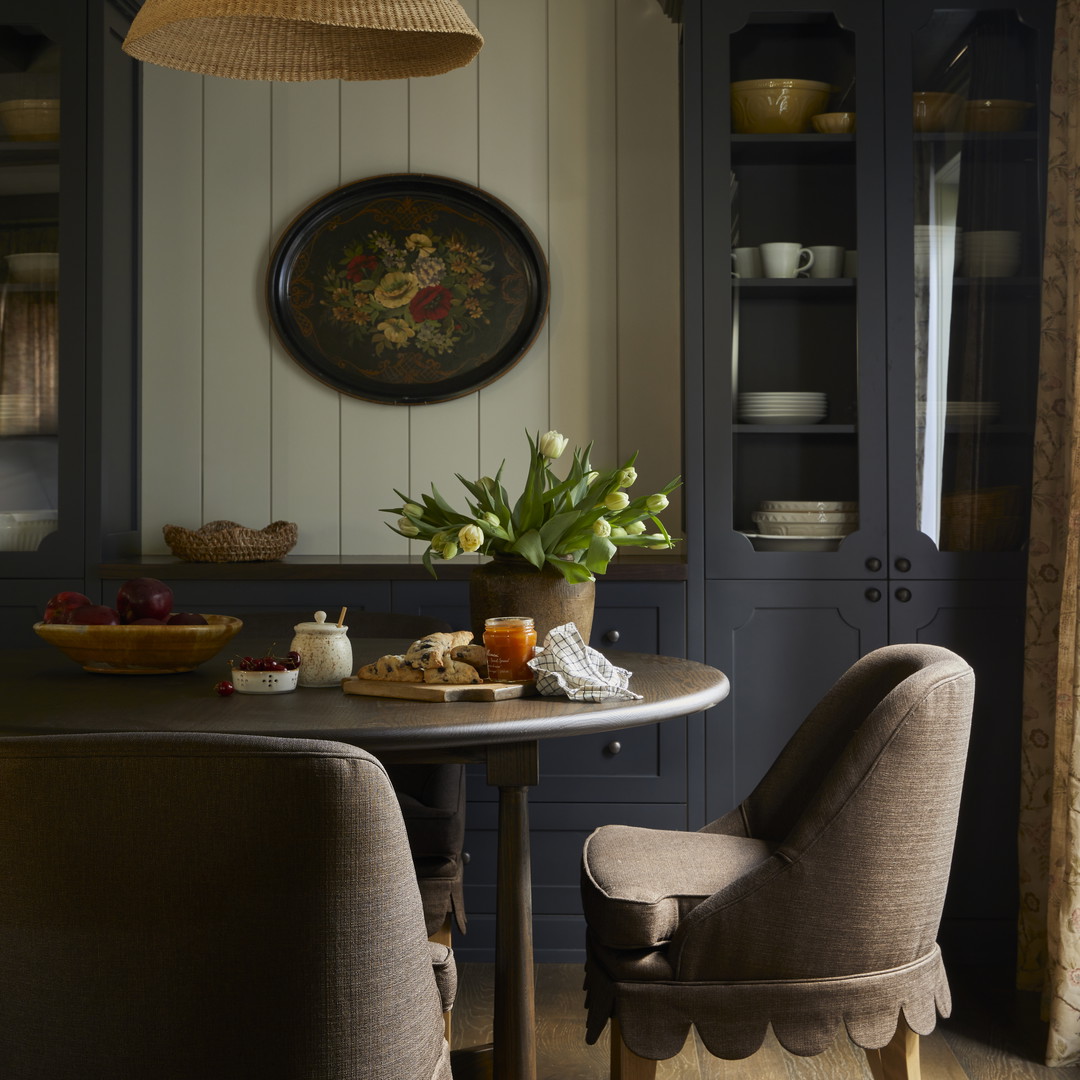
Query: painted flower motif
{"points": [[419, 242], [396, 289], [361, 267], [432, 303], [396, 331]]}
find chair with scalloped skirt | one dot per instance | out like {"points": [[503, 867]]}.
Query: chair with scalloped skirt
{"points": [[812, 907]]}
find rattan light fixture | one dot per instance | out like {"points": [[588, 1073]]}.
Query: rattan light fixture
{"points": [[301, 40]]}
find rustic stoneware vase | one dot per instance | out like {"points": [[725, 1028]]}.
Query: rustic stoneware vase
{"points": [[510, 586]]}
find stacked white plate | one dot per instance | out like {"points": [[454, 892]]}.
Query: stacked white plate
{"points": [[809, 525], [782, 407], [969, 413]]}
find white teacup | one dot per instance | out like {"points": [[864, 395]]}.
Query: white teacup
{"points": [[785, 259], [851, 263], [828, 261], [746, 262]]}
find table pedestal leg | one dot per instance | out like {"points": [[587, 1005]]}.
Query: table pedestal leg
{"points": [[513, 768]]}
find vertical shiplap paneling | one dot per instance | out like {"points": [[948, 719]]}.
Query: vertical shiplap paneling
{"points": [[649, 336], [444, 437], [513, 166], [374, 437], [305, 414], [569, 116], [171, 440], [236, 350], [581, 138]]}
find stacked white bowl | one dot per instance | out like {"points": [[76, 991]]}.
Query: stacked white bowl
{"points": [[23, 530], [799, 518], [932, 239], [991, 253], [783, 407]]}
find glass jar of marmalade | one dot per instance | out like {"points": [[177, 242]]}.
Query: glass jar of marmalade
{"points": [[510, 642]]}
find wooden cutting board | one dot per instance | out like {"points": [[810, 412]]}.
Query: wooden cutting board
{"points": [[492, 691]]}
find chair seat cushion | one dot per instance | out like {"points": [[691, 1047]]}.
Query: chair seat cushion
{"points": [[637, 884]]}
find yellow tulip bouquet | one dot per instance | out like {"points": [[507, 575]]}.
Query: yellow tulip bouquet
{"points": [[575, 524]]}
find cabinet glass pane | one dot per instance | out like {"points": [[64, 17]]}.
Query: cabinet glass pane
{"points": [[793, 235], [29, 286], [977, 252]]}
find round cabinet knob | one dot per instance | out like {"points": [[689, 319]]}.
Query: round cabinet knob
{"points": [[873, 564], [466, 857], [611, 636], [873, 595], [613, 747], [903, 565], [903, 595]]}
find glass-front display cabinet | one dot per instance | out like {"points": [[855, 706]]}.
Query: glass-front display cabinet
{"points": [[967, 233], [794, 358], [68, 327], [31, 433], [876, 172]]}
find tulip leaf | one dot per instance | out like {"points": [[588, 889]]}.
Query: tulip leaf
{"points": [[529, 547], [600, 552]]}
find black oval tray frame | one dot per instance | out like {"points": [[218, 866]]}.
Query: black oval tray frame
{"points": [[292, 285]]}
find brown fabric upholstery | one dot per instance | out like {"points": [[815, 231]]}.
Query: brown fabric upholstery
{"points": [[185, 906], [432, 797], [832, 918]]}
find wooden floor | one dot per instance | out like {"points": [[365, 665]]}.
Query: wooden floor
{"points": [[993, 1034]]}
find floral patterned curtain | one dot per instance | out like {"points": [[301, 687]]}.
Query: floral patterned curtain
{"points": [[1049, 838]]}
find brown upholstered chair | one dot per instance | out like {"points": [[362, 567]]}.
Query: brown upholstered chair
{"points": [[209, 907], [814, 906], [432, 797]]}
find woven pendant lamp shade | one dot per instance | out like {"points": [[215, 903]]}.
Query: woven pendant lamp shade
{"points": [[301, 40]]}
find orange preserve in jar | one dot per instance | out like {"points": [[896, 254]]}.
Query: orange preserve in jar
{"points": [[510, 642]]}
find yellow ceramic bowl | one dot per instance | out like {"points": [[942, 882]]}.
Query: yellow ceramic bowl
{"points": [[140, 650], [776, 106], [932, 110], [995, 114], [834, 123], [31, 119]]}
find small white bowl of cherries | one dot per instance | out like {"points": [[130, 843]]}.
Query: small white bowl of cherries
{"points": [[267, 674]]}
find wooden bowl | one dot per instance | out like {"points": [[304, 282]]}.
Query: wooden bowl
{"points": [[140, 650]]}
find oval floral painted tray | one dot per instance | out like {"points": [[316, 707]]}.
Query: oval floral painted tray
{"points": [[407, 289]]}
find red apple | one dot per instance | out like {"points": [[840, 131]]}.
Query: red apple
{"points": [[60, 607], [94, 615], [186, 618], [144, 598]]}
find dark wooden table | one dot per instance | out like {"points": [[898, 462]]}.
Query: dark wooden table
{"points": [[42, 692]]}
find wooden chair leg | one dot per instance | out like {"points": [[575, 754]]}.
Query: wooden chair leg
{"points": [[899, 1059], [625, 1064], [443, 935]]}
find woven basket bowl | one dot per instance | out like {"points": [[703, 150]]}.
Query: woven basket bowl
{"points": [[140, 650], [226, 541]]}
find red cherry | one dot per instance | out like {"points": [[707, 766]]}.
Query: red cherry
{"points": [[224, 688], [273, 665], [294, 656]]}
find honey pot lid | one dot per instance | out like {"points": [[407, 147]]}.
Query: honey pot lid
{"points": [[319, 626]]}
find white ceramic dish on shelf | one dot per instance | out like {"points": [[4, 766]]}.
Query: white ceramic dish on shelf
{"points": [[784, 418], [763, 542], [792, 517], [33, 267], [23, 530], [807, 505]]}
